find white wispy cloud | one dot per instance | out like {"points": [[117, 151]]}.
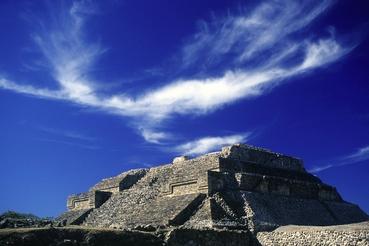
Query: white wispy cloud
{"points": [[207, 144], [80, 145], [358, 156], [152, 136], [69, 56], [66, 134], [67, 137], [270, 25], [318, 169], [265, 32], [31, 90]]}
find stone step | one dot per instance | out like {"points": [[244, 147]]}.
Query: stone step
{"points": [[185, 214], [74, 217]]}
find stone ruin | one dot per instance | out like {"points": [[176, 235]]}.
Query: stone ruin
{"points": [[240, 187]]}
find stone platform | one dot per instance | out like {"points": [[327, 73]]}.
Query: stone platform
{"points": [[238, 188]]}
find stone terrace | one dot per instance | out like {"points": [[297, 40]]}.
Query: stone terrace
{"points": [[240, 187]]}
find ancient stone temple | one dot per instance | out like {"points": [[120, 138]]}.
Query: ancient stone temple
{"points": [[240, 187]]}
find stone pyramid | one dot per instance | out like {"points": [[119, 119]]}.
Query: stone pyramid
{"points": [[239, 187]]}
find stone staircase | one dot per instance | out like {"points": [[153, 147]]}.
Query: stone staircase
{"points": [[144, 205], [75, 217], [240, 187], [116, 210]]}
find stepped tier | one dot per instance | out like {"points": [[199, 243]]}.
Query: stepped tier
{"points": [[73, 217], [240, 187]]}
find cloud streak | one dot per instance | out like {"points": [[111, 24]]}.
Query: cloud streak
{"points": [[267, 32], [84, 146], [69, 55], [207, 144], [152, 136], [360, 155], [67, 134]]}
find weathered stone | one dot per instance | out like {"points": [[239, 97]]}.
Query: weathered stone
{"points": [[241, 195], [207, 237], [352, 234], [240, 187], [73, 217], [180, 159]]}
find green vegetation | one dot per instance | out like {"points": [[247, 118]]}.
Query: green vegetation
{"points": [[16, 215]]}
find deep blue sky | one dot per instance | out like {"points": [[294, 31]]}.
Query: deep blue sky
{"points": [[91, 89]]}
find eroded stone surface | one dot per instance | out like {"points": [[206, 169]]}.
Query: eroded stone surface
{"points": [[240, 188], [352, 234]]}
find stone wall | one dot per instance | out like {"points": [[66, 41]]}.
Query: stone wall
{"points": [[249, 154], [120, 182], [183, 187], [345, 212], [268, 211], [79, 201], [92, 199], [354, 234], [190, 176], [241, 187], [98, 198], [219, 181]]}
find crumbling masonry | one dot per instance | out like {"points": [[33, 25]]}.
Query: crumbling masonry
{"points": [[240, 187]]}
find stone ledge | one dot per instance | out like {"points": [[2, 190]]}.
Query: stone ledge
{"points": [[219, 181], [248, 153], [91, 199]]}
